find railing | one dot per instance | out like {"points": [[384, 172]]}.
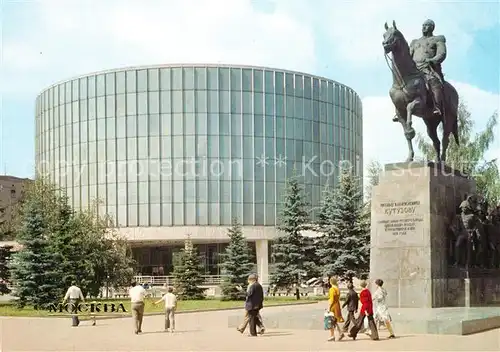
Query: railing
{"points": [[208, 280]]}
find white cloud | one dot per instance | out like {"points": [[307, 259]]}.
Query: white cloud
{"points": [[357, 26], [384, 140], [66, 38], [75, 37]]}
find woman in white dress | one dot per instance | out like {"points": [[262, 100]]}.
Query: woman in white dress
{"points": [[380, 311]]}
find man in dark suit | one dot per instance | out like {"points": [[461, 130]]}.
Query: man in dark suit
{"points": [[351, 302], [254, 302]]}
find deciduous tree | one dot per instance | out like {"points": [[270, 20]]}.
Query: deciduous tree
{"points": [[5, 256], [469, 157]]}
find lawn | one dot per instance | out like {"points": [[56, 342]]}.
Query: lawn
{"points": [[9, 309]]}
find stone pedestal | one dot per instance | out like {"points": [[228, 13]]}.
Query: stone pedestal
{"points": [[411, 209]]}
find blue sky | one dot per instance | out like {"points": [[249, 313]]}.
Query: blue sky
{"points": [[47, 41]]}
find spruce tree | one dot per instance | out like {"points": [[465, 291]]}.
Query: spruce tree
{"points": [[290, 248], [5, 254], [343, 221], [236, 265], [66, 242], [187, 275], [35, 269]]}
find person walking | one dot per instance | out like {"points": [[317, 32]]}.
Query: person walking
{"points": [[351, 303], [254, 302], [170, 307], [334, 308], [246, 319], [365, 297], [137, 294], [381, 312], [74, 296]]}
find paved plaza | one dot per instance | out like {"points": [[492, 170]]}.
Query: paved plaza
{"points": [[209, 332]]}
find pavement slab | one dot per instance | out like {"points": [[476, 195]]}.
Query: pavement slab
{"points": [[208, 331]]}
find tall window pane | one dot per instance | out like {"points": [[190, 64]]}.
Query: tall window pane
{"points": [[142, 80], [120, 82], [131, 104], [188, 78], [176, 78], [101, 85], [200, 78], [131, 81], [212, 78], [165, 79], [153, 81], [258, 81], [83, 88], [224, 79]]}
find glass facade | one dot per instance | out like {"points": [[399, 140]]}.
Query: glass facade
{"points": [[195, 145], [161, 260]]}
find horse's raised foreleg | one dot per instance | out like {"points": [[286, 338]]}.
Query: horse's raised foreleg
{"points": [[409, 130], [432, 125], [408, 136]]}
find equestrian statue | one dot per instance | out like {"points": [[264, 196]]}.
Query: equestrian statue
{"points": [[419, 87]]}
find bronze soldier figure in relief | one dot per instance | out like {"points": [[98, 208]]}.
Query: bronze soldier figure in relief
{"points": [[475, 234], [429, 52]]}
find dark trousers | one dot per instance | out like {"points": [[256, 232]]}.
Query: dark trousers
{"points": [[350, 321], [252, 321], [73, 303], [360, 325], [246, 320]]}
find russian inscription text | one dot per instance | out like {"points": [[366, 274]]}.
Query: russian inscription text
{"points": [[402, 217]]}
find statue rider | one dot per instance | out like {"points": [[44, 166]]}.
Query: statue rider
{"points": [[429, 52]]}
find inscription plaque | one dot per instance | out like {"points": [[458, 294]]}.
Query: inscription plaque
{"points": [[401, 218]]}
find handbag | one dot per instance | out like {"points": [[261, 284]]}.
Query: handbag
{"points": [[329, 320]]}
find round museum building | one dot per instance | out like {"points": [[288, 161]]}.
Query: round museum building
{"points": [[173, 150]]}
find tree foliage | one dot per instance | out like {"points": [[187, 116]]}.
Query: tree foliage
{"points": [[187, 275], [36, 267], [470, 156], [59, 246], [106, 255], [5, 256], [6, 226], [236, 264], [345, 243], [374, 170], [291, 250]]}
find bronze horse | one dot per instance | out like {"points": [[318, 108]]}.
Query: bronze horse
{"points": [[410, 95]]}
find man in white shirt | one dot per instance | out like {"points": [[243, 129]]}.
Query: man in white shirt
{"points": [[137, 294], [74, 295], [170, 306]]}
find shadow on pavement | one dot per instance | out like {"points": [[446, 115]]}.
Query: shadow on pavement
{"points": [[177, 332], [276, 333]]}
